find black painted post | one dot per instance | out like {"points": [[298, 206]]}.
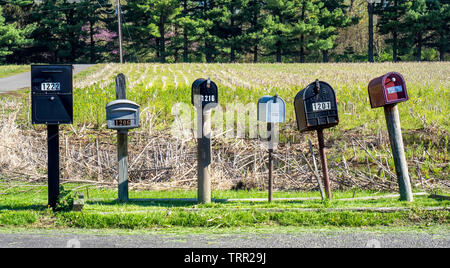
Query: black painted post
{"points": [[270, 130], [53, 164]]}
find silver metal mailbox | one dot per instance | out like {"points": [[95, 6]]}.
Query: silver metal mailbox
{"points": [[122, 115], [271, 109]]}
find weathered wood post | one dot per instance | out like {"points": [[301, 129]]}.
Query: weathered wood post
{"points": [[316, 109], [204, 97], [122, 143], [386, 91], [204, 157], [122, 115], [272, 110], [398, 152]]}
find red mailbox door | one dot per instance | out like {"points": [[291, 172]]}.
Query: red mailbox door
{"points": [[395, 88]]}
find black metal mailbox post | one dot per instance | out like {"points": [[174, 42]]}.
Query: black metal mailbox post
{"points": [[316, 109], [52, 104]]}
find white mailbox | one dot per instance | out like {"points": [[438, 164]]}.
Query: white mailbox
{"points": [[271, 109]]}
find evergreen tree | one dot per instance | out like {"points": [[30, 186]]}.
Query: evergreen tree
{"points": [[257, 29], [191, 30], [390, 22], [416, 26], [332, 18], [97, 19], [280, 26], [308, 27], [11, 37], [439, 18]]}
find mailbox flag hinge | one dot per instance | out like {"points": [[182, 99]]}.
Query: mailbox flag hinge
{"points": [[317, 87]]}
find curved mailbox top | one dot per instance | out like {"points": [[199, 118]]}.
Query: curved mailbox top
{"points": [[316, 107], [206, 92], [123, 103], [271, 109], [387, 89]]}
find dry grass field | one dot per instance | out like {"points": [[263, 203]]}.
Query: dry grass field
{"points": [[359, 153]]}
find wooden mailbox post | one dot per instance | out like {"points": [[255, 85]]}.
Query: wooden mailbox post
{"points": [[386, 91], [122, 115]]}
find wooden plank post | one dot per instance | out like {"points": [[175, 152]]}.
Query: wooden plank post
{"points": [[122, 144], [323, 158], [204, 155], [398, 152]]}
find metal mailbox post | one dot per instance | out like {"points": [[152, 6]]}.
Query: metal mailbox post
{"points": [[386, 91], [122, 115], [316, 109], [52, 105], [271, 110], [204, 97]]}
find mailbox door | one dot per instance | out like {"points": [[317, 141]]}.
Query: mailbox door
{"points": [[394, 88], [52, 109], [300, 111], [122, 114], [47, 79]]}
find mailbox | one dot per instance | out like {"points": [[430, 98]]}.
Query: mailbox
{"points": [[51, 94], [122, 115], [271, 109], [316, 107], [387, 89], [207, 92]]}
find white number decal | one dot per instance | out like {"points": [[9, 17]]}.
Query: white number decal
{"points": [[51, 86], [321, 106], [208, 98]]}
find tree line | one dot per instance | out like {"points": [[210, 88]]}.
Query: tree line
{"points": [[69, 31]]}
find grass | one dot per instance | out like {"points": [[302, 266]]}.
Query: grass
{"points": [[9, 70], [26, 207], [158, 87]]}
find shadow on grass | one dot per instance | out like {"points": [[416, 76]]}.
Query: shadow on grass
{"points": [[168, 204], [23, 208]]}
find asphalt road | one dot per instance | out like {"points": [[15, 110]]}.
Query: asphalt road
{"points": [[300, 240], [23, 80]]}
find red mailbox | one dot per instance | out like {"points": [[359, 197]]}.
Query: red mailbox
{"points": [[387, 89]]}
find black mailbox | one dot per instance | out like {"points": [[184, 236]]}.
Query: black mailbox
{"points": [[316, 107], [51, 94], [205, 91]]}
